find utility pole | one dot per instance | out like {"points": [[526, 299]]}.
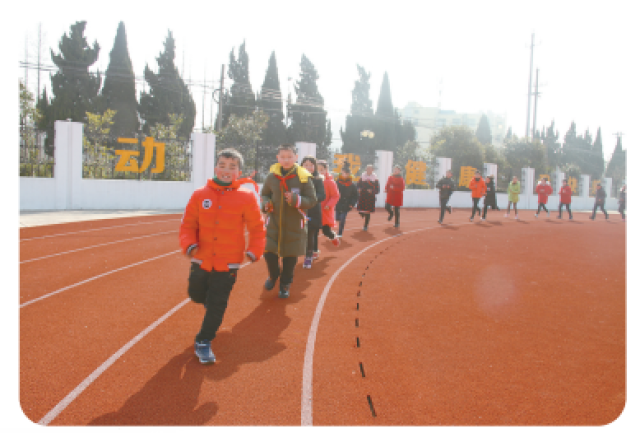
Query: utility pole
{"points": [[535, 105], [526, 135], [220, 100]]}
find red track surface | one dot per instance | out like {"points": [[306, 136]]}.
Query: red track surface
{"points": [[497, 323]]}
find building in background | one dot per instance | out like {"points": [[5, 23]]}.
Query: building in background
{"points": [[429, 120]]}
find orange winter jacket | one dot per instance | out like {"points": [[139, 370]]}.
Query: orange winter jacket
{"points": [[215, 219], [478, 187]]}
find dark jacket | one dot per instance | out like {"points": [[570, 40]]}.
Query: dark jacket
{"points": [[490, 197], [315, 213], [348, 194], [446, 187], [600, 196], [622, 197]]}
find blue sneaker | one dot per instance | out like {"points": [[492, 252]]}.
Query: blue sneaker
{"points": [[203, 351], [284, 290], [269, 284]]}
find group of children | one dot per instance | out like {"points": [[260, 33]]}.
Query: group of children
{"points": [[297, 201]]}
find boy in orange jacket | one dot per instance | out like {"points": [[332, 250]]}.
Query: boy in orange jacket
{"points": [[212, 236], [478, 189]]}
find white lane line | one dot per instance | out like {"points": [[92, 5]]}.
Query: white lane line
{"points": [[95, 246], [53, 413], [97, 229], [306, 413], [94, 278]]}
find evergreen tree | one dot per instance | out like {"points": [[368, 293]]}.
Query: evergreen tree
{"points": [[461, 145], [617, 167], [241, 101], [386, 119], [323, 151], [483, 133], [598, 156], [308, 117], [270, 102], [551, 147], [509, 134], [167, 94], [360, 119], [75, 89], [119, 91]]}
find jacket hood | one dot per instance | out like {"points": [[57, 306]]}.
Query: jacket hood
{"points": [[367, 177], [302, 172]]}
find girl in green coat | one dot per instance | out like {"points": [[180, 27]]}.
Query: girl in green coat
{"points": [[514, 196], [286, 195]]}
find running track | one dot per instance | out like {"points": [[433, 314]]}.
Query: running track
{"points": [[496, 323]]}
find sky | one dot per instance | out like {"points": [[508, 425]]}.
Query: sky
{"points": [[480, 51]]}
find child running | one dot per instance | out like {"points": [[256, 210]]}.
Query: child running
{"points": [[286, 192], [446, 187], [622, 200], [478, 189], [348, 197], [394, 190], [489, 197], [565, 199], [212, 236], [514, 195], [600, 197], [368, 188], [544, 190], [328, 205], [315, 213]]}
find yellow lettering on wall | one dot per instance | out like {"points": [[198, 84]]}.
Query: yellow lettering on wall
{"points": [[416, 172], [126, 162], [466, 174], [340, 159]]}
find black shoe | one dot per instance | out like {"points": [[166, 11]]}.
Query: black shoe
{"points": [[559, 217], [471, 219], [284, 290], [449, 209], [390, 217], [592, 218], [268, 285], [439, 221], [397, 225], [606, 217]]}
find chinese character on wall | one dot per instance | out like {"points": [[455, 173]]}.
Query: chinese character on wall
{"points": [[127, 162], [466, 173], [573, 183], [416, 172], [340, 159]]}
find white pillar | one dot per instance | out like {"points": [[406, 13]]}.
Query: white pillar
{"points": [[556, 180], [607, 183], [527, 185], [305, 149], [491, 169], [203, 155], [584, 185], [442, 165], [68, 164], [383, 168]]}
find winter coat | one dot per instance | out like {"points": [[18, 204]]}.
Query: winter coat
{"points": [[315, 213], [490, 197], [600, 196], [348, 195], [514, 192], [477, 187], [543, 192], [622, 198], [394, 190], [332, 195], [215, 220], [286, 224], [565, 195], [366, 199], [446, 187]]}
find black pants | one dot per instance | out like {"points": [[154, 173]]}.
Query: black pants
{"points": [[273, 266], [326, 230], [568, 206], [475, 206], [484, 209], [367, 218], [601, 206], [393, 210], [541, 205], [212, 289], [621, 209], [443, 205], [312, 240]]}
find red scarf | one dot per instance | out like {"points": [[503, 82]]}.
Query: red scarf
{"points": [[283, 180], [345, 182]]}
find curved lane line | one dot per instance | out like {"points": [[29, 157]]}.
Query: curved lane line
{"points": [[94, 278], [95, 246], [53, 413], [100, 228]]}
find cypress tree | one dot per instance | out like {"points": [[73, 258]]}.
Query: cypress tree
{"points": [[617, 167], [483, 133], [598, 156], [270, 101], [241, 101], [308, 117], [551, 146], [360, 119], [323, 151], [167, 94], [74, 88], [386, 119], [119, 91]]}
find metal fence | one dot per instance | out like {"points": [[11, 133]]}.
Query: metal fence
{"points": [[34, 159], [137, 158]]}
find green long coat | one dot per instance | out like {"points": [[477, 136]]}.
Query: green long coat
{"points": [[286, 226], [514, 192]]}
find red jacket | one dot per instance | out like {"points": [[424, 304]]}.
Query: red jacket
{"points": [[332, 195], [565, 195], [543, 192], [215, 219], [394, 188], [478, 187]]}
